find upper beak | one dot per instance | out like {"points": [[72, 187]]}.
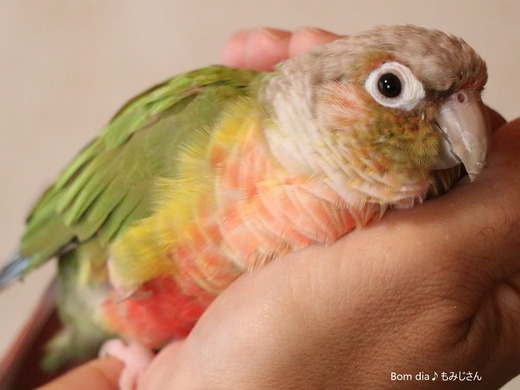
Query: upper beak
{"points": [[466, 127]]}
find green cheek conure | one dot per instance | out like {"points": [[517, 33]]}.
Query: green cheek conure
{"points": [[218, 171]]}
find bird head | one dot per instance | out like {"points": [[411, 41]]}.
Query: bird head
{"points": [[378, 113]]}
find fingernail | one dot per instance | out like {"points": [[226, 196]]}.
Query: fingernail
{"points": [[311, 30], [307, 37], [272, 34]]}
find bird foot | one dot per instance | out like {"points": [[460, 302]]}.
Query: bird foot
{"points": [[135, 357]]}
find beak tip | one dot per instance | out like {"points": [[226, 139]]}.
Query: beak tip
{"points": [[479, 166]]}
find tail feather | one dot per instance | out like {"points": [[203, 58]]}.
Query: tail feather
{"points": [[13, 270]]}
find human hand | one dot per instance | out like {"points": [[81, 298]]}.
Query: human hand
{"points": [[432, 289]]}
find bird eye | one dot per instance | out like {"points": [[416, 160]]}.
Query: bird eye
{"points": [[389, 85], [394, 85]]}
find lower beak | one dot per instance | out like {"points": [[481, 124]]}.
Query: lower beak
{"points": [[466, 127]]}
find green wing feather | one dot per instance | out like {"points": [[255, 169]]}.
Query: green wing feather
{"points": [[109, 185]]}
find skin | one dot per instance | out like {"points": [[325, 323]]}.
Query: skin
{"points": [[433, 288]]}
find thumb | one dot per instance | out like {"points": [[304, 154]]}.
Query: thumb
{"points": [[164, 368], [258, 49]]}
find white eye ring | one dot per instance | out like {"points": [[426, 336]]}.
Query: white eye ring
{"points": [[404, 91]]}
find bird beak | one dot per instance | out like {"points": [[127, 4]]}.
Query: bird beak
{"points": [[466, 128]]}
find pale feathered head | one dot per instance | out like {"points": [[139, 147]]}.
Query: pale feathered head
{"points": [[379, 112]]}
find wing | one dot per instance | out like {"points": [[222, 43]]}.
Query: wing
{"points": [[109, 185]]}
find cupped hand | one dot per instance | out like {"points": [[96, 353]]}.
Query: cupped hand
{"points": [[432, 290]]}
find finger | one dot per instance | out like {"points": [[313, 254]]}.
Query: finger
{"points": [[99, 374], [258, 49], [233, 52], [308, 37], [495, 118], [483, 219]]}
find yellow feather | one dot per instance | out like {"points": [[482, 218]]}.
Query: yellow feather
{"points": [[143, 252]]}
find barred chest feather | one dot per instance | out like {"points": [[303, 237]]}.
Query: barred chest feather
{"points": [[252, 211]]}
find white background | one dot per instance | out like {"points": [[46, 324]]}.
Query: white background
{"points": [[67, 66]]}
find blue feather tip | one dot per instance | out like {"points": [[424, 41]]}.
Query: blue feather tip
{"points": [[13, 270]]}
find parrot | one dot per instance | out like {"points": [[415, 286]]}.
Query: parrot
{"points": [[218, 171]]}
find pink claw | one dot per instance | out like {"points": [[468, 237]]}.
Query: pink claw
{"points": [[135, 357]]}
